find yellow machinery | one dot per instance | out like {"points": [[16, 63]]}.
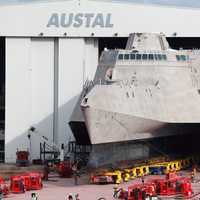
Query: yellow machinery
{"points": [[181, 164], [118, 176], [176, 165], [140, 171], [126, 175], [156, 160], [167, 167]]}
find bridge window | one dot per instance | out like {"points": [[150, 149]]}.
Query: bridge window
{"points": [[138, 56], [181, 58], [159, 57], [144, 56], [132, 56], [178, 57], [120, 57], [150, 56], [126, 56], [164, 57]]}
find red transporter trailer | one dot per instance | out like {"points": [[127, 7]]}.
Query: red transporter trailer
{"points": [[27, 181], [141, 191], [65, 169], [168, 187], [36, 181], [17, 184]]}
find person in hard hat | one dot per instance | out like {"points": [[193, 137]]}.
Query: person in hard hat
{"points": [[116, 190]]}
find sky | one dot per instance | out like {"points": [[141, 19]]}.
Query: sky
{"points": [[182, 3], [177, 3]]}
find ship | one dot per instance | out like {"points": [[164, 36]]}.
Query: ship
{"points": [[139, 93]]}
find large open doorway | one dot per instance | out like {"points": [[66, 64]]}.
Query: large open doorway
{"points": [[184, 42], [2, 99], [174, 42]]}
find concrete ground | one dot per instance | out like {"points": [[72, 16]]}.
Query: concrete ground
{"points": [[58, 189]]}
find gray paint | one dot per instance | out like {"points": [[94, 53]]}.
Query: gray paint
{"points": [[112, 154], [141, 96], [76, 20], [56, 77]]}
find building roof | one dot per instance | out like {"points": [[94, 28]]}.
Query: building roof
{"points": [[174, 3]]}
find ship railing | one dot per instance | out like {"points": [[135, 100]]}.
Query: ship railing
{"points": [[88, 85]]}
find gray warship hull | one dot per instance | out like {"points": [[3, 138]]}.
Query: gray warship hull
{"points": [[144, 92]]}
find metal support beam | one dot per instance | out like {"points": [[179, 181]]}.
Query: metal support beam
{"points": [[56, 76]]}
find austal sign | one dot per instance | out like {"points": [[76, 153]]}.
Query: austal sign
{"points": [[87, 20]]}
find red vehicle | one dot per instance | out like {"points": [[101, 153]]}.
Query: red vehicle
{"points": [[65, 169], [141, 191], [22, 158], [36, 181], [17, 184], [101, 179], [27, 181], [179, 185]]}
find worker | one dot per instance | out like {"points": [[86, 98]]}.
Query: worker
{"points": [[21, 186], [123, 176], [70, 197], [193, 173], [116, 190], [77, 197], [142, 179], [126, 195], [46, 171], [34, 196], [75, 173], [194, 169], [192, 177]]}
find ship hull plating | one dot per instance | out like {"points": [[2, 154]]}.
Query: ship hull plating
{"points": [[107, 127], [142, 92]]}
